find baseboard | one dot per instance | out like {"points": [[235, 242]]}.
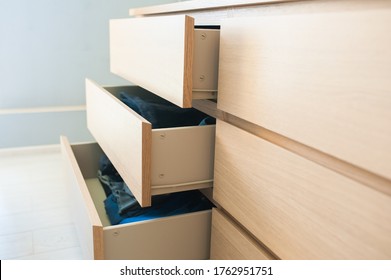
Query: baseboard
{"points": [[42, 149]]}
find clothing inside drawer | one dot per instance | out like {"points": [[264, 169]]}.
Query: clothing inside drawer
{"points": [[120, 205], [166, 236], [158, 111], [116, 204]]}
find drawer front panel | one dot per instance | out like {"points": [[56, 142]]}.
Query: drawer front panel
{"points": [[166, 56], [125, 138], [155, 53], [298, 209], [229, 242], [322, 79], [88, 224]]}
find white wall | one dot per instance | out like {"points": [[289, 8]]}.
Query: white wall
{"points": [[47, 48]]}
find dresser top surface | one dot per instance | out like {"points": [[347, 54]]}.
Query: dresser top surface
{"points": [[195, 5]]}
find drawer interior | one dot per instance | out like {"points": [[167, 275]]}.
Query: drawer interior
{"points": [[135, 97], [98, 196], [176, 236], [205, 63], [87, 157]]}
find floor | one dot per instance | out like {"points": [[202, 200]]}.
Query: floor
{"points": [[35, 221]]}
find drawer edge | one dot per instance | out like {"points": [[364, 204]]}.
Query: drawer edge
{"points": [[85, 216], [130, 153]]}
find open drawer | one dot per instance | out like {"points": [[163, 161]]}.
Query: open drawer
{"points": [[185, 236], [167, 56], [150, 161]]}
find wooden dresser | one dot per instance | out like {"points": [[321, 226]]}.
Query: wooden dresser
{"points": [[302, 158], [303, 154]]}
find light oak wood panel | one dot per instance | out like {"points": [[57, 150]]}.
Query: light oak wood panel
{"points": [[88, 224], [156, 54], [213, 12], [125, 138], [361, 175], [166, 56], [229, 242], [298, 209], [216, 16], [322, 79]]}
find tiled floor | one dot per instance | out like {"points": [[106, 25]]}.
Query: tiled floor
{"points": [[35, 221]]}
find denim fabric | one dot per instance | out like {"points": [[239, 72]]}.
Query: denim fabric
{"points": [[120, 192], [106, 168], [208, 121], [162, 206], [161, 113]]}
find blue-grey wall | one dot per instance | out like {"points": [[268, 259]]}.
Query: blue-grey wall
{"points": [[47, 48]]}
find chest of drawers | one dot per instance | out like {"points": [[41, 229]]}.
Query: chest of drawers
{"points": [[301, 165]]}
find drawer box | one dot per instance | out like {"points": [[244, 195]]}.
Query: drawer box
{"points": [[322, 79], [185, 236], [151, 161], [297, 208], [230, 242], [167, 56]]}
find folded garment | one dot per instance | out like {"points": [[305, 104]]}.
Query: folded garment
{"points": [[160, 112], [162, 206]]}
